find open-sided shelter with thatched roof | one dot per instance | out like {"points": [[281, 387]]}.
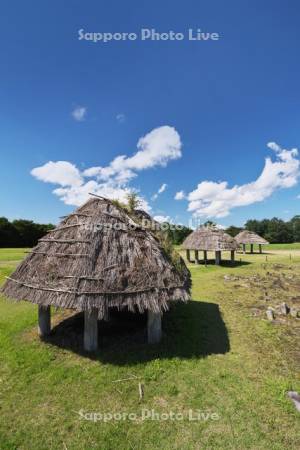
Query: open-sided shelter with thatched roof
{"points": [[97, 258], [249, 237], [209, 239]]}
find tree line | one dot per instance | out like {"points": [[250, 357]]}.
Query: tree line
{"points": [[276, 231], [26, 233], [21, 233]]}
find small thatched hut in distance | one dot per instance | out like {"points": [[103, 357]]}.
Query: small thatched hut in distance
{"points": [[209, 239], [97, 258], [249, 237]]}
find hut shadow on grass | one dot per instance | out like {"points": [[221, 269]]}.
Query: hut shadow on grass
{"points": [[192, 330], [255, 252], [224, 263]]}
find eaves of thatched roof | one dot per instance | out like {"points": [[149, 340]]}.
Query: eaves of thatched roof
{"points": [[209, 239], [100, 257], [249, 237]]}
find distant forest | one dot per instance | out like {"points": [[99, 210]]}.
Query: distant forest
{"points": [[275, 230], [21, 233], [26, 233]]}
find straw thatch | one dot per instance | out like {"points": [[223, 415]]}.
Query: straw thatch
{"points": [[249, 237], [100, 257], [209, 239]]}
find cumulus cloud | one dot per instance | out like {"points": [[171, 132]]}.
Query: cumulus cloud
{"points": [[274, 146], [216, 199], [77, 195], [162, 219], [156, 148], [179, 195], [59, 172], [79, 113], [160, 191]]}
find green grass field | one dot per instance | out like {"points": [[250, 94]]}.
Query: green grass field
{"points": [[218, 355], [270, 247]]}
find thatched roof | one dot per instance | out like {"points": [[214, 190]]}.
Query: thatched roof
{"points": [[99, 257], [210, 239], [249, 237]]}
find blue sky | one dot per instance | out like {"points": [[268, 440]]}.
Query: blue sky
{"points": [[202, 112]]}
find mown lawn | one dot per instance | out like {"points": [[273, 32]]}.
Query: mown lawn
{"points": [[218, 355], [270, 247], [294, 246]]}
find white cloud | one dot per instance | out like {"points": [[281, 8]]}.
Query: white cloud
{"points": [[121, 117], [79, 113], [162, 219], [211, 199], [274, 146], [179, 195], [77, 195], [162, 188], [160, 191], [59, 172], [156, 148]]}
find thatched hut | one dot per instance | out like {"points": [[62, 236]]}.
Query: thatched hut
{"points": [[209, 239], [249, 237], [100, 257]]}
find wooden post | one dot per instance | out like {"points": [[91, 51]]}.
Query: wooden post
{"points": [[196, 257], [232, 255], [44, 319], [270, 314], [205, 256], [188, 255], [90, 338], [218, 257], [244, 248], [284, 308], [251, 248], [260, 248], [154, 327]]}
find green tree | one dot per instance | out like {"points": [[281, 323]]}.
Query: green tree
{"points": [[133, 201], [21, 233], [30, 232], [295, 226], [279, 231], [9, 236], [178, 233], [233, 230]]}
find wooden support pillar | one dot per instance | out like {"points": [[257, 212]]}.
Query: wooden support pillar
{"points": [[232, 255], [260, 248], [251, 248], [188, 255], [244, 248], [44, 319], [154, 327], [90, 338], [197, 257], [205, 256], [218, 257]]}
